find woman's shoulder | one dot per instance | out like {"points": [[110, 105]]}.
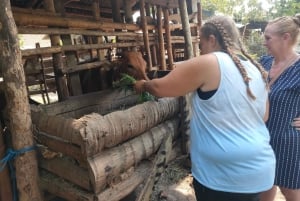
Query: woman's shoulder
{"points": [[265, 58], [266, 61]]}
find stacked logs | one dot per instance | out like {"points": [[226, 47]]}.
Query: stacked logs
{"points": [[103, 153]]}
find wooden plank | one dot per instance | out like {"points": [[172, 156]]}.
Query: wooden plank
{"points": [[101, 102], [166, 3], [124, 188], [68, 170], [60, 145], [59, 187], [58, 49], [26, 19]]}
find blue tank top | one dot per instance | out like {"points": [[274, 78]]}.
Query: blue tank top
{"points": [[230, 148]]}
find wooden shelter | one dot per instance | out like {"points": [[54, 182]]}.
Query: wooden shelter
{"points": [[93, 141]]}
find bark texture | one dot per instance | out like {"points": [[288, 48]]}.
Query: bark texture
{"points": [[17, 106]]}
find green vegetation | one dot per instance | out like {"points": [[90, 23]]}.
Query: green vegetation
{"points": [[127, 82]]}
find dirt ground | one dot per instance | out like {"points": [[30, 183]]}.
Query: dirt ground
{"points": [[175, 184]]}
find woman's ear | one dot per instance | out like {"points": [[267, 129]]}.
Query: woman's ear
{"points": [[286, 36], [212, 40]]}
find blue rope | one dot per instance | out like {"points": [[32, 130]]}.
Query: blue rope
{"points": [[9, 156]]}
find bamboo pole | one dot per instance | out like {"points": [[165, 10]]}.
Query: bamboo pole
{"points": [[17, 106], [161, 39], [168, 38], [186, 29], [105, 166], [145, 34]]}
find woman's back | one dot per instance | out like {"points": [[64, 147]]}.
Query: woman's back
{"points": [[228, 134]]}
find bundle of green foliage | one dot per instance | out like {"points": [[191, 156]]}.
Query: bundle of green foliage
{"points": [[127, 82]]}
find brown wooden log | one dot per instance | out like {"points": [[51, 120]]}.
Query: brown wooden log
{"points": [[5, 182], [168, 4], [59, 145], [68, 170], [102, 102], [109, 130], [124, 188], [26, 19], [86, 66], [145, 34], [74, 83], [62, 31], [96, 9], [105, 166], [160, 162], [186, 29], [61, 86], [168, 39], [161, 47], [199, 14], [59, 187], [58, 49], [17, 106]]}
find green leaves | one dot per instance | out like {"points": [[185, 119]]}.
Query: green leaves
{"points": [[127, 82]]}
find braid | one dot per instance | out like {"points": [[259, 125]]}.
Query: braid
{"points": [[227, 44], [263, 72]]}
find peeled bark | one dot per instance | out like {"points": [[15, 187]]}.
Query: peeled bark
{"points": [[107, 131], [105, 166]]}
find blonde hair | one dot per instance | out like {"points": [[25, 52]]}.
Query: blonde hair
{"points": [[227, 35], [287, 24]]}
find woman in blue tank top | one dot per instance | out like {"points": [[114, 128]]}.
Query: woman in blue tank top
{"points": [[231, 157]]}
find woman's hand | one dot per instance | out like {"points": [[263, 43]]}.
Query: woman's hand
{"points": [[296, 123], [139, 86]]}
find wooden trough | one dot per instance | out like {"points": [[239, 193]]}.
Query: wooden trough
{"points": [[101, 143]]}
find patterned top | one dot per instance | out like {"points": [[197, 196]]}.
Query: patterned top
{"points": [[284, 99]]}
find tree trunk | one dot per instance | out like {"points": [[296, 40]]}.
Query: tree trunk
{"points": [[5, 187], [17, 106]]}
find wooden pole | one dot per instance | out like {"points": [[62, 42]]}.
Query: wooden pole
{"points": [[5, 185], [62, 89], [145, 34], [20, 124], [168, 38], [161, 39], [186, 29]]}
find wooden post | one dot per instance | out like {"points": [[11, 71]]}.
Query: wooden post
{"points": [[161, 39], [145, 34], [73, 78], [62, 89], [128, 11], [20, 124], [186, 29], [199, 14], [5, 187], [168, 38]]}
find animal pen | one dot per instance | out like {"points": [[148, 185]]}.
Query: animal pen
{"points": [[94, 142]]}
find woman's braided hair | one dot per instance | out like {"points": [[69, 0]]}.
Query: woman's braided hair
{"points": [[227, 35]]}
